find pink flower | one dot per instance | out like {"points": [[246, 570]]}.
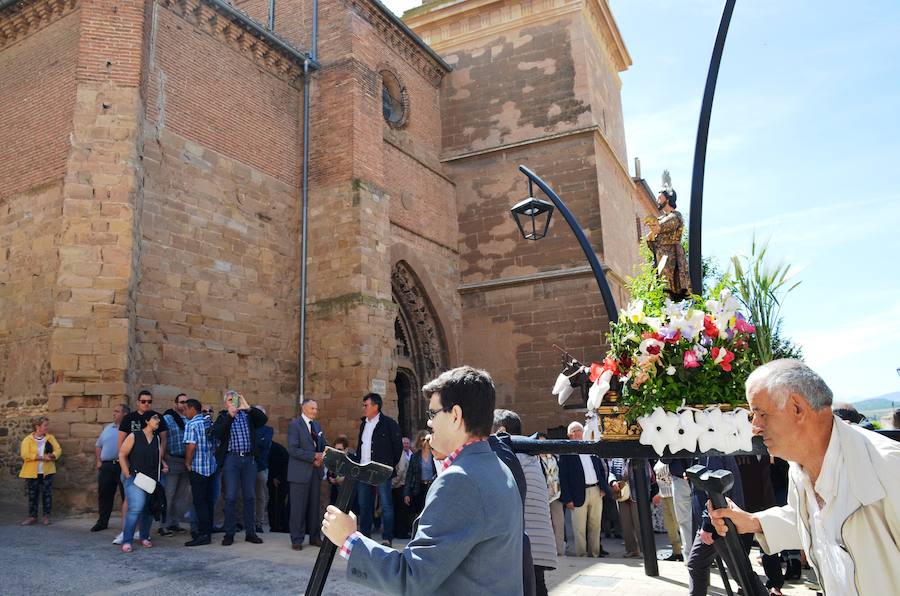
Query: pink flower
{"points": [[742, 325], [691, 360]]}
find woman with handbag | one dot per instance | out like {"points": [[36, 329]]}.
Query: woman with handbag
{"points": [[141, 464], [39, 451], [621, 475]]}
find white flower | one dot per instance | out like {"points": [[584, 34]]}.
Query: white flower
{"points": [[670, 371], [634, 312], [655, 323], [744, 429], [675, 310], [598, 390], [710, 423], [658, 429], [562, 388], [686, 433]]}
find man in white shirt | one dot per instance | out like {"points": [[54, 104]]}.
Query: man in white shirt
{"points": [[844, 485], [582, 480], [380, 441]]}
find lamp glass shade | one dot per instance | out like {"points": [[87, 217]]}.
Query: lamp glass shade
{"points": [[533, 217]]}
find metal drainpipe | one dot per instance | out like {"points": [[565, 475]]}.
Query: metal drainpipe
{"points": [[271, 15], [304, 238]]}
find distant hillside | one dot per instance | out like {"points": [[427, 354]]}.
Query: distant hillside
{"points": [[876, 407]]}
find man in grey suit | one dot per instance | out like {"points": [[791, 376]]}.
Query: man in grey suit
{"points": [[305, 446], [468, 539]]}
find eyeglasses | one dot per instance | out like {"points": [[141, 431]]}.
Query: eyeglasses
{"points": [[146, 401], [433, 413], [181, 403]]}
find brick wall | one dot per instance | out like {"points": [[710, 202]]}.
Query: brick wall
{"points": [[217, 301], [37, 78], [513, 87], [29, 227], [220, 99]]}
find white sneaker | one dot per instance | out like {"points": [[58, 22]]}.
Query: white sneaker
{"points": [[118, 538]]}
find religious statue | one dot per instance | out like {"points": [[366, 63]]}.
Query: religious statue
{"points": [[664, 240]]}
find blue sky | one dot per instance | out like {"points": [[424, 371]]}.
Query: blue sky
{"points": [[803, 152]]}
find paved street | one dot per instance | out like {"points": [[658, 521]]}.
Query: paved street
{"points": [[65, 558]]}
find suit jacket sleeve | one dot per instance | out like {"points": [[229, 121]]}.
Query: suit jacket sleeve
{"points": [[600, 470], [295, 448], [257, 417], [450, 526], [565, 479], [222, 426], [396, 443]]}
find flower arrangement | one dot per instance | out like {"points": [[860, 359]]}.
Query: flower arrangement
{"points": [[668, 354]]}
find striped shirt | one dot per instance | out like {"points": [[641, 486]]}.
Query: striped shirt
{"points": [[196, 432], [175, 436], [239, 440]]}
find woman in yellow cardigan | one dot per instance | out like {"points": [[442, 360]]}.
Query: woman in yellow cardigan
{"points": [[39, 454]]}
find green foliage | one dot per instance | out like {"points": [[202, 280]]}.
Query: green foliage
{"points": [[761, 288]]}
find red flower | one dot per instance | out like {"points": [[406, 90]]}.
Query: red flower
{"points": [[709, 327], [653, 349], [674, 339], [610, 364], [743, 326], [723, 357], [691, 360], [596, 371]]}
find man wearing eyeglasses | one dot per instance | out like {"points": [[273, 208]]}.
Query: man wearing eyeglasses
{"points": [[178, 486], [468, 539]]}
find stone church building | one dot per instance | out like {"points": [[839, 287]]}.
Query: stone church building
{"points": [[151, 184]]}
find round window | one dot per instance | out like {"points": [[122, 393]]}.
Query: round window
{"points": [[393, 99]]}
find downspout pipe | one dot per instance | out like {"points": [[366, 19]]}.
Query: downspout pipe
{"points": [[304, 199], [271, 15]]}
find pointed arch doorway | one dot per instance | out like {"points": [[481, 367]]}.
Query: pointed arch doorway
{"points": [[421, 348]]}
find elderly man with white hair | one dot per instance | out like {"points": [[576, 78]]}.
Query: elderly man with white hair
{"points": [[844, 486], [582, 480]]}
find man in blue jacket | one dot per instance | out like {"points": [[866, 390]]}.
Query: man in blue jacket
{"points": [[464, 542], [583, 483]]}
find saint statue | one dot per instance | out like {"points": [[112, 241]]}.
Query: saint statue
{"points": [[664, 240]]}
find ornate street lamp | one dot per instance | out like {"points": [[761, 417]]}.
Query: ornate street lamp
{"points": [[532, 216], [535, 228]]}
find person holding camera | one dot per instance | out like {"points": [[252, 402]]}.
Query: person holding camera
{"points": [[235, 429]]}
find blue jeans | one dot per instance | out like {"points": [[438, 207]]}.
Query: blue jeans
{"points": [[137, 511], [367, 509], [239, 472]]}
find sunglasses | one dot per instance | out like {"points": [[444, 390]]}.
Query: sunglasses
{"points": [[181, 403], [154, 417], [146, 401]]}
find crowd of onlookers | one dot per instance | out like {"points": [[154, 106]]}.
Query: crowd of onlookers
{"points": [[198, 470]]}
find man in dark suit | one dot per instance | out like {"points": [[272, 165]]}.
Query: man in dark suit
{"points": [[583, 482], [305, 446], [380, 440]]}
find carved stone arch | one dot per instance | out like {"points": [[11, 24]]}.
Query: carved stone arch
{"points": [[421, 352]]}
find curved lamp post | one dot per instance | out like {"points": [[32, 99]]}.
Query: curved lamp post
{"points": [[533, 218]]}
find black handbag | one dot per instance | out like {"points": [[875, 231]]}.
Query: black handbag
{"points": [[156, 504]]}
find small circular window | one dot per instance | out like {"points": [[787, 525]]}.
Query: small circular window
{"points": [[393, 100]]}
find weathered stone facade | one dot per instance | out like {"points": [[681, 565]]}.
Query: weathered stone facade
{"points": [[150, 206]]}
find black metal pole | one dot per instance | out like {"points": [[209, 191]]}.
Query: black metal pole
{"points": [[608, 301], [645, 519], [695, 263]]}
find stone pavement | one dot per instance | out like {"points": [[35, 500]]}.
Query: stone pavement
{"points": [[65, 558]]}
